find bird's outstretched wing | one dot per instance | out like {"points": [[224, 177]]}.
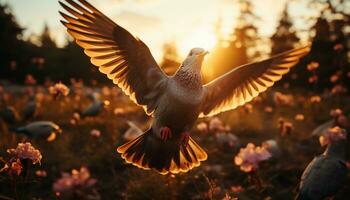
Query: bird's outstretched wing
{"points": [[124, 58], [243, 83]]}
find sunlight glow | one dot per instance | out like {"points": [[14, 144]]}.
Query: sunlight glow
{"points": [[201, 37]]}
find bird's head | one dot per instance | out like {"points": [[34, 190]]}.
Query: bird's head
{"points": [[195, 58]]}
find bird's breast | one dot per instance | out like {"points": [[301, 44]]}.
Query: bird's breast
{"points": [[178, 108]]}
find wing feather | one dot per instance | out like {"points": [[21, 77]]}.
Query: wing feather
{"points": [[123, 58], [244, 83]]}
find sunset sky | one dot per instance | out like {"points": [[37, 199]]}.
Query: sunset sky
{"points": [[190, 23]]}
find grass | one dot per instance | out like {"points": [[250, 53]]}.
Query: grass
{"points": [[75, 147]]}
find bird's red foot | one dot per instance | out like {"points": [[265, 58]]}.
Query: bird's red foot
{"points": [[165, 133], [185, 137]]}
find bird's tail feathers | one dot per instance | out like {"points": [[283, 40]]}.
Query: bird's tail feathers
{"points": [[149, 152]]}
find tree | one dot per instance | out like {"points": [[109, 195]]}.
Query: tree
{"points": [[10, 40], [285, 36], [45, 39], [170, 61]]}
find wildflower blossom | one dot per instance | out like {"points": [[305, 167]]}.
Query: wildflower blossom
{"points": [[249, 157], [95, 133], [41, 173], [248, 108], [13, 168], [268, 109], [332, 135], [299, 117], [315, 99], [202, 127], [338, 47], [119, 111], [30, 80], [283, 99], [215, 124], [338, 89], [313, 79], [336, 112], [59, 89], [334, 78], [237, 189], [26, 151], [76, 180], [313, 66]]}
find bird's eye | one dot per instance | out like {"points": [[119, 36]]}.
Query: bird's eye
{"points": [[191, 54]]}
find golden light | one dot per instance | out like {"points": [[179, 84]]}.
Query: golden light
{"points": [[201, 38]]}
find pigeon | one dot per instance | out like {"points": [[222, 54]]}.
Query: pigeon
{"points": [[325, 174], [175, 102], [40, 129], [94, 109]]}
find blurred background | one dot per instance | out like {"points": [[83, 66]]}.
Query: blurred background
{"points": [[36, 52]]}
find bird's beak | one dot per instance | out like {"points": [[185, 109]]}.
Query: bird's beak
{"points": [[205, 53]]}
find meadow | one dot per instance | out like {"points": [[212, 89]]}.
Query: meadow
{"points": [[217, 178]]}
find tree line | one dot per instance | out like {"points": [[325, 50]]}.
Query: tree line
{"points": [[327, 64]]}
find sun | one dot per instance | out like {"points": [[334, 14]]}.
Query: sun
{"points": [[200, 37]]}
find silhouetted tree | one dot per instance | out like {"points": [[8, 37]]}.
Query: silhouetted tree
{"points": [[46, 40], [10, 41], [285, 36], [170, 61]]}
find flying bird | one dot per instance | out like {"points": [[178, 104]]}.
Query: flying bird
{"points": [[175, 102], [40, 130], [325, 174]]}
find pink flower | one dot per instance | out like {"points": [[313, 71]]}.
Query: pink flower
{"points": [[313, 79], [59, 89], [299, 117], [332, 135], [13, 168], [334, 78], [119, 111], [312, 66], [71, 182], [95, 133], [249, 158], [237, 189], [30, 80], [315, 99], [215, 124], [338, 89], [248, 108], [268, 109], [336, 112], [26, 151], [283, 99], [338, 47], [41, 173], [202, 127]]}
